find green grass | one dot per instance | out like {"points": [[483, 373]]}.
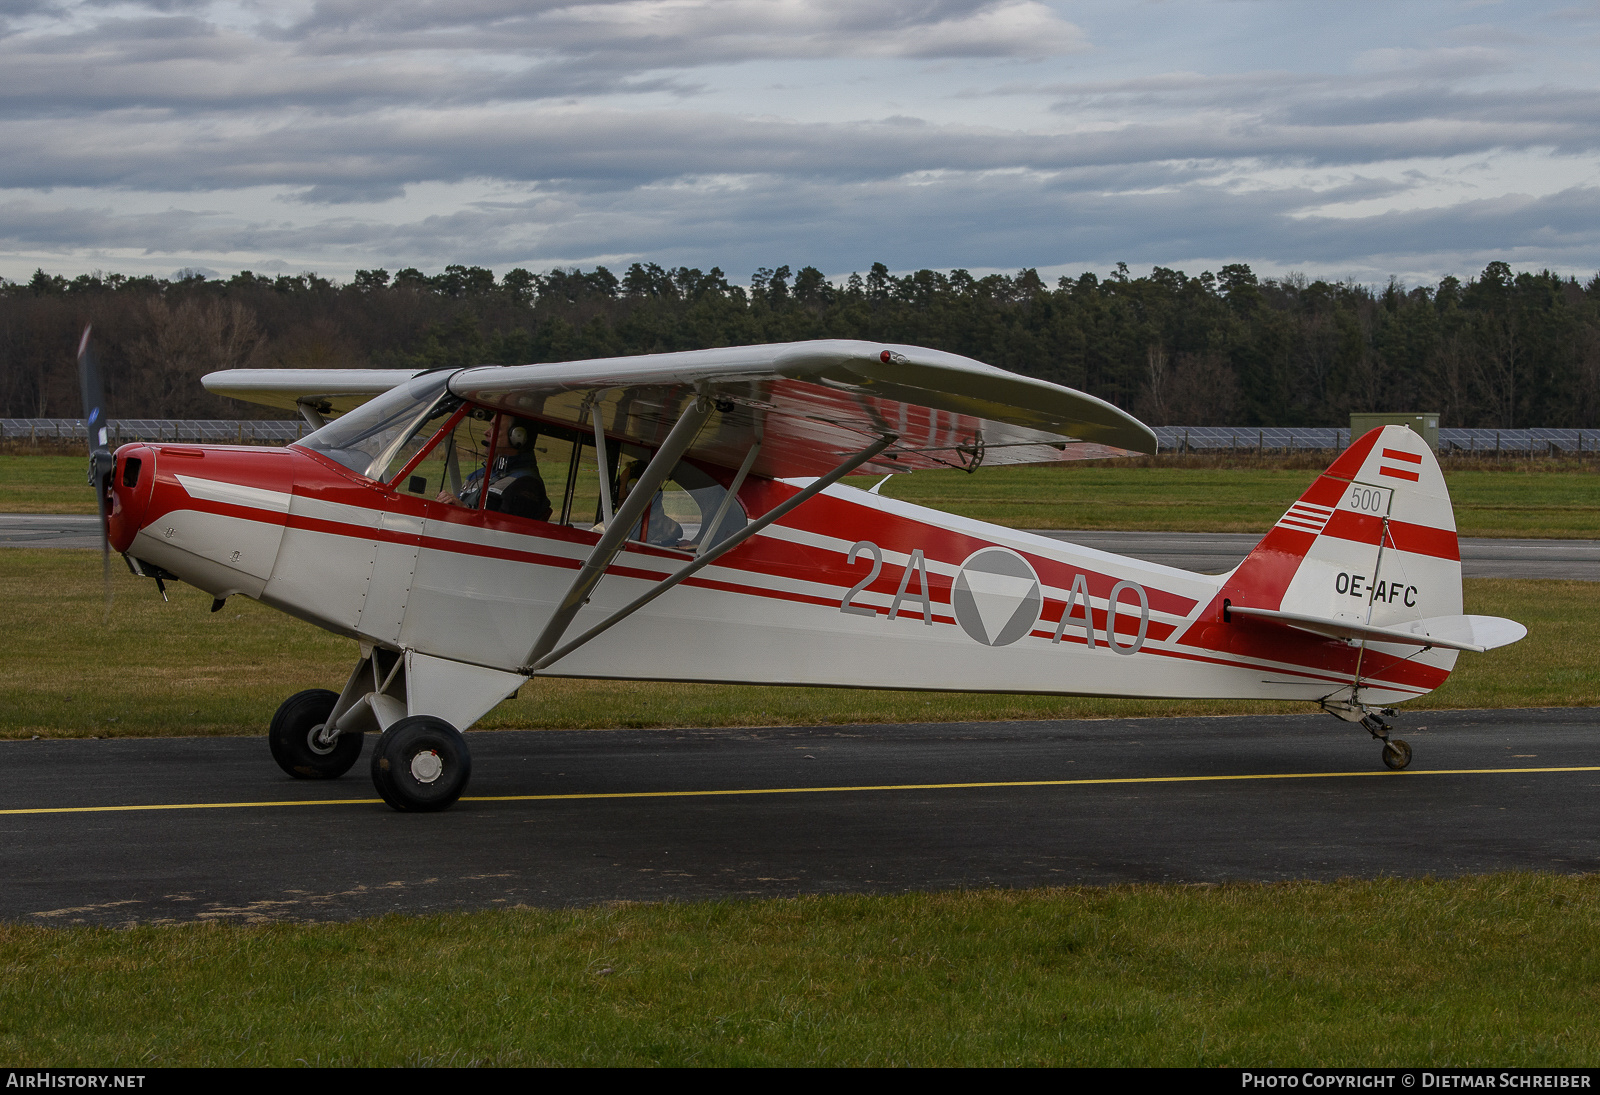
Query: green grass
{"points": [[159, 669], [1500, 971], [1536, 500], [1558, 499], [44, 484]]}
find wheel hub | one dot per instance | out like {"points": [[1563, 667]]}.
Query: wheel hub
{"points": [[426, 767], [315, 742]]}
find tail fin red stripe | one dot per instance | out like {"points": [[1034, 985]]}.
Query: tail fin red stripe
{"points": [[1399, 473], [1401, 454], [1403, 535], [1424, 540]]}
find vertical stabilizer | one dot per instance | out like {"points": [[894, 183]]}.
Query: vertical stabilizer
{"points": [[1373, 541]]}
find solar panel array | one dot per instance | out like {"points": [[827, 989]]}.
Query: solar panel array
{"points": [[222, 431], [1248, 439], [1281, 439], [1173, 438]]}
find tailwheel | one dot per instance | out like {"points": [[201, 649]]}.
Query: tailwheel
{"points": [[298, 741], [1396, 754], [421, 764]]}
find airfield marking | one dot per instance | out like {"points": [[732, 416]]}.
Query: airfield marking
{"points": [[805, 790]]}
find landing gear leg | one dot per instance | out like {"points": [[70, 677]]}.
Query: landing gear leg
{"points": [[1396, 753]]}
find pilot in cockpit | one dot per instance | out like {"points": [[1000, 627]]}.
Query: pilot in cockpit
{"points": [[663, 530], [514, 484]]}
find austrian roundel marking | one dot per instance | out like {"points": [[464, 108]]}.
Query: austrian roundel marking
{"points": [[996, 596]]}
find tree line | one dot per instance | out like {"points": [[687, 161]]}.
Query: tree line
{"points": [[1503, 349]]}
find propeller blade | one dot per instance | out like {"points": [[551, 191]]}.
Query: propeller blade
{"points": [[93, 392], [101, 461]]}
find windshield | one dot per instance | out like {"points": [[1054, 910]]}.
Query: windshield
{"points": [[368, 436]]}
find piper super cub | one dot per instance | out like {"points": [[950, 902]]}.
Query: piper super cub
{"points": [[680, 517]]}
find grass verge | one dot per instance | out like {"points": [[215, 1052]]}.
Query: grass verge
{"points": [[1539, 499], [1500, 970], [1519, 498], [159, 669]]}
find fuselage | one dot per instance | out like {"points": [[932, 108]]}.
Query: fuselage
{"points": [[850, 589]]}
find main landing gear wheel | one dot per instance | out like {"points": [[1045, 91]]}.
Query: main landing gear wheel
{"points": [[293, 737], [421, 764], [1396, 754]]}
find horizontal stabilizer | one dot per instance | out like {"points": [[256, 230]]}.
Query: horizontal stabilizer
{"points": [[1474, 633]]}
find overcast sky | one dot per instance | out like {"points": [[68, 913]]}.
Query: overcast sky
{"points": [[1341, 140]]}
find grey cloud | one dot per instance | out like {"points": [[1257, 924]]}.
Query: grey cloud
{"points": [[961, 220], [364, 98], [668, 33], [616, 148], [347, 55], [152, 5], [344, 193], [1540, 105], [1313, 99], [1447, 63]]}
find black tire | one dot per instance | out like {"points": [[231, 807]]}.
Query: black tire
{"points": [[421, 764], [290, 737], [1396, 754]]}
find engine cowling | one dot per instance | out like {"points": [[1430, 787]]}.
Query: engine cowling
{"points": [[132, 485]]}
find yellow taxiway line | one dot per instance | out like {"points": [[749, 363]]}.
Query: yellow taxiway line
{"points": [[1120, 781]]}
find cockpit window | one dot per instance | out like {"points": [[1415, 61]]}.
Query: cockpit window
{"points": [[682, 508], [368, 438]]}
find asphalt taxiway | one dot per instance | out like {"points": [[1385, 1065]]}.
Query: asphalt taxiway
{"points": [[177, 829], [1206, 552]]}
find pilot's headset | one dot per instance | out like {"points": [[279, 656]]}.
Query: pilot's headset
{"points": [[521, 434]]}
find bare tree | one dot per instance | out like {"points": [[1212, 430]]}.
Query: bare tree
{"points": [[1201, 390], [181, 344], [1152, 403]]}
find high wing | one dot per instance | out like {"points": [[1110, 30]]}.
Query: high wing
{"points": [[808, 403]]}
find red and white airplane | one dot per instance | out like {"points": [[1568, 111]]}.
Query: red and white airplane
{"points": [[680, 517]]}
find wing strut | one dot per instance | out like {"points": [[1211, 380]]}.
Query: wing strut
{"points": [[311, 411], [710, 531], [594, 567], [537, 662], [600, 460]]}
